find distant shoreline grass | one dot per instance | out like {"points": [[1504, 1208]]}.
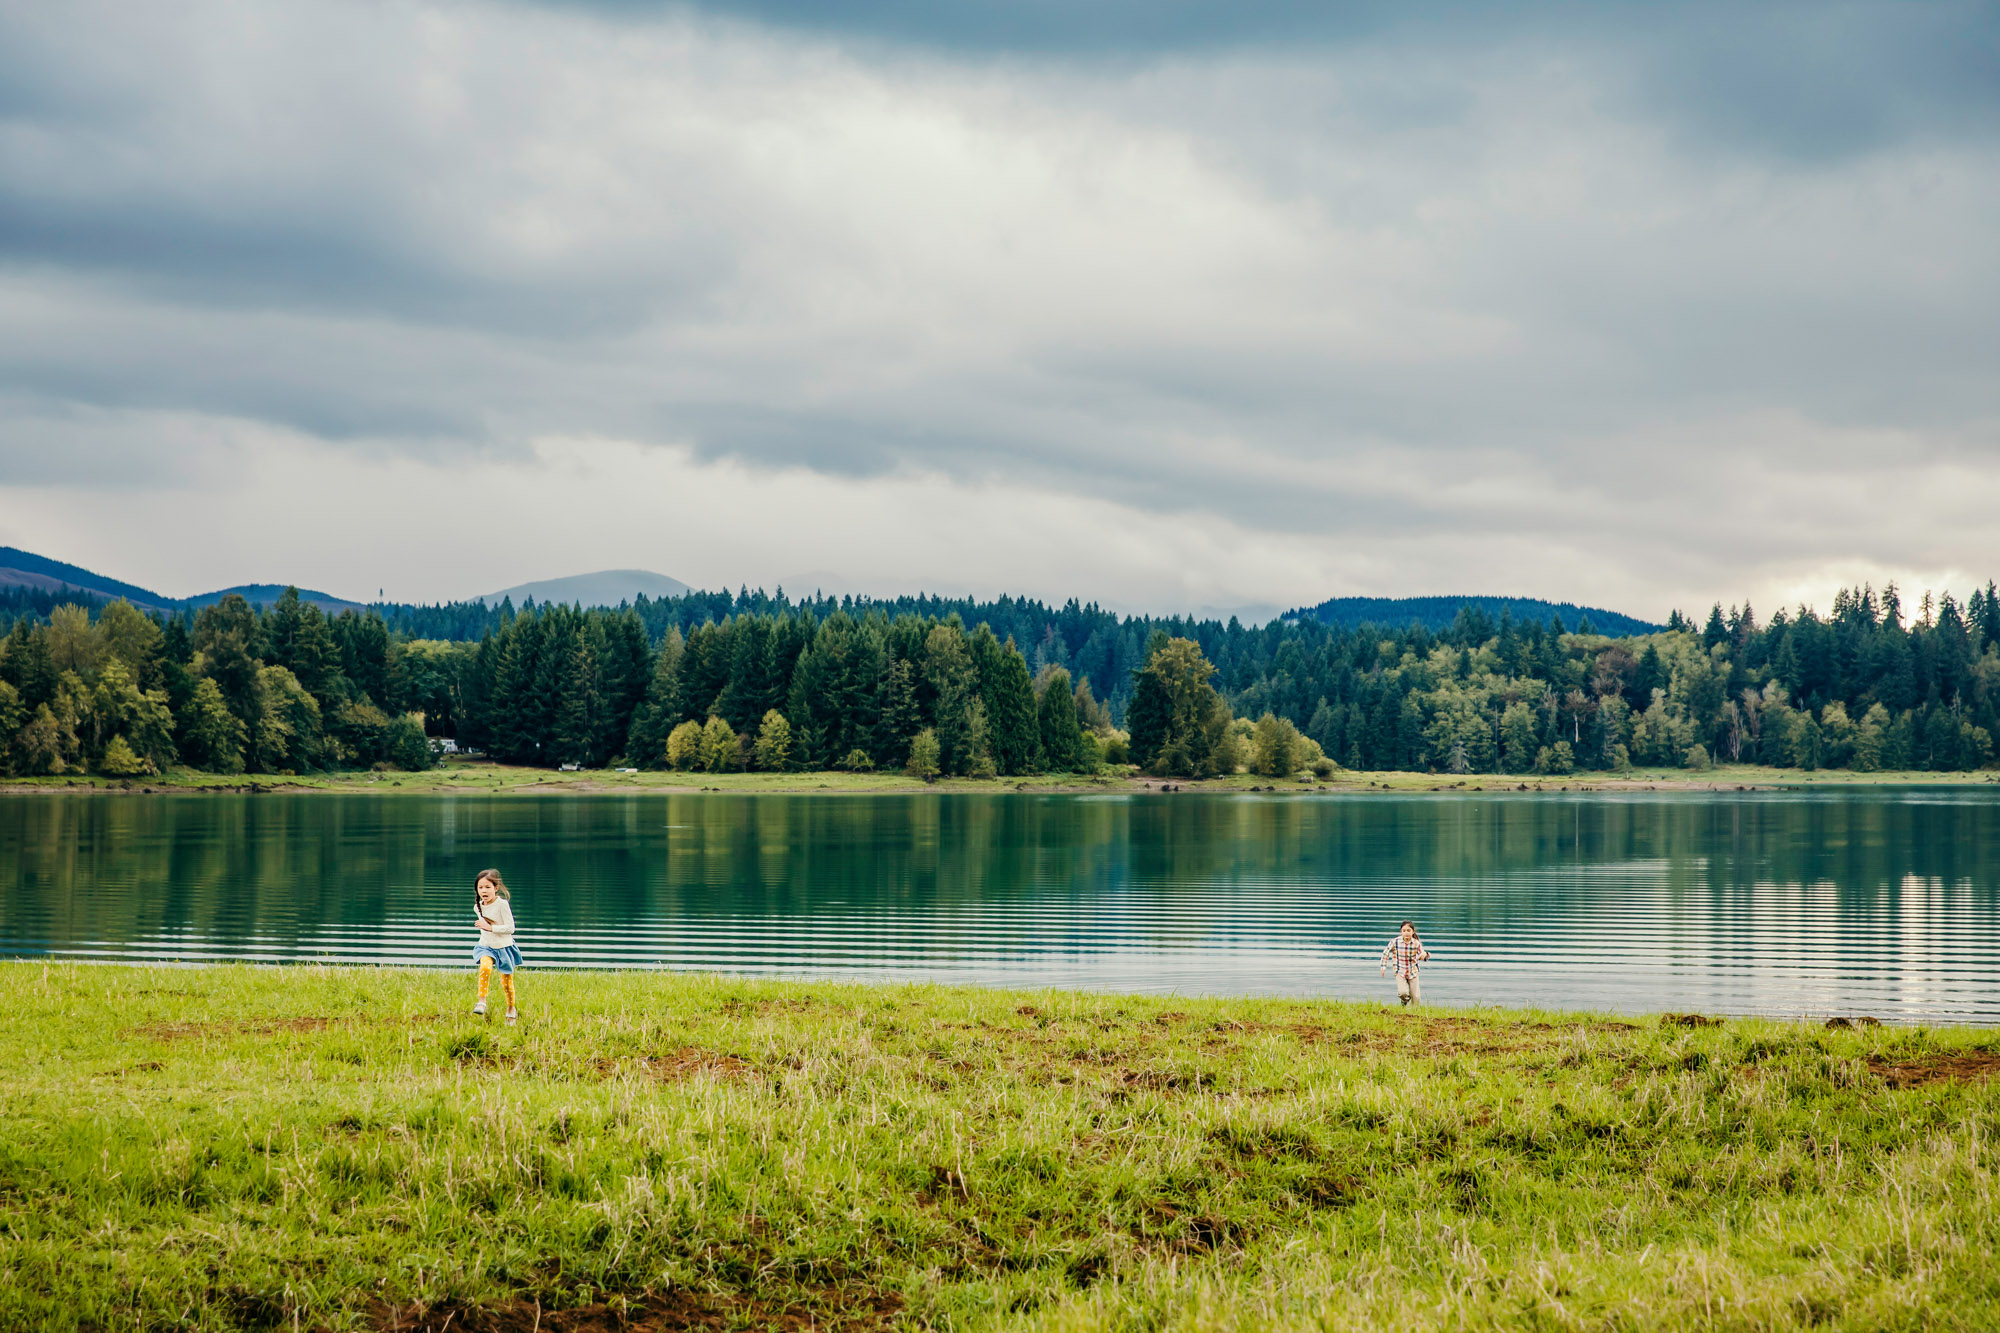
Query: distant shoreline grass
{"points": [[482, 776], [346, 1148]]}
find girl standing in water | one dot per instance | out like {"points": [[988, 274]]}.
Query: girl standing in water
{"points": [[496, 940]]}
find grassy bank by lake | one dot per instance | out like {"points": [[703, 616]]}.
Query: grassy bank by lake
{"points": [[481, 776], [347, 1148]]}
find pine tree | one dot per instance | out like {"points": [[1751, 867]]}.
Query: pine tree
{"points": [[1518, 740], [805, 709], [1012, 713], [750, 693], [501, 730], [899, 720], [653, 720], [1090, 714], [1716, 631], [1650, 675], [579, 706], [224, 636], [978, 741], [626, 668], [27, 667], [1148, 718], [1061, 735], [364, 654], [12, 716], [954, 686]]}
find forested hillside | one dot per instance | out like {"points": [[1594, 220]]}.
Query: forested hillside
{"points": [[1435, 613], [719, 681]]}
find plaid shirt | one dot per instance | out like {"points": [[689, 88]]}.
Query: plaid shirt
{"points": [[1406, 954]]}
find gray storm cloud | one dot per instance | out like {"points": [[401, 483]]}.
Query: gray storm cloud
{"points": [[1649, 310]]}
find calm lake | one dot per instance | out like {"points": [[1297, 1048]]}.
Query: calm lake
{"points": [[1883, 902]]}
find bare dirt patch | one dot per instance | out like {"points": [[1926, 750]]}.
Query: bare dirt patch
{"points": [[1166, 1080], [239, 1027], [737, 1008], [1953, 1067], [687, 1062], [843, 1310], [1433, 1039]]}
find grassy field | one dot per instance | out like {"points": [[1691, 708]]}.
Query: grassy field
{"points": [[333, 1149], [479, 776]]}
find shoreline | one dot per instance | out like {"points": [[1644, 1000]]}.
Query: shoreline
{"points": [[1496, 1012], [478, 776]]}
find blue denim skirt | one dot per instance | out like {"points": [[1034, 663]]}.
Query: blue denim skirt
{"points": [[505, 959]]}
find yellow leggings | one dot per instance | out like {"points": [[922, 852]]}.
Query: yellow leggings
{"points": [[486, 981]]}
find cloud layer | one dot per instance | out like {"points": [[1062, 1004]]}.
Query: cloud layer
{"points": [[1630, 311]]}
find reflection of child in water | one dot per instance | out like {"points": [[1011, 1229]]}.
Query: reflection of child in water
{"points": [[1406, 951], [496, 940]]}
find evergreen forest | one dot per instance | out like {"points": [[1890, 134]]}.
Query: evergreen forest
{"points": [[721, 681]]}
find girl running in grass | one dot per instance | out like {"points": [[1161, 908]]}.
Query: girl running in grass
{"points": [[1407, 953], [496, 940]]}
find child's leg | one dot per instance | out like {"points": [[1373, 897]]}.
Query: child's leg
{"points": [[507, 984], [485, 976]]}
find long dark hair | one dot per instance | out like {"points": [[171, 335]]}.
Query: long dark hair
{"points": [[499, 884]]}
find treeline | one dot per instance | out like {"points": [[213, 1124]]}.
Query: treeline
{"points": [[715, 681], [226, 690], [1859, 688], [781, 690]]}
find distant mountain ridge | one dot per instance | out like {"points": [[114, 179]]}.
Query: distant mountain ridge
{"points": [[607, 587], [25, 569], [1436, 613], [263, 594]]}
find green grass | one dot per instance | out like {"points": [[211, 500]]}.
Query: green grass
{"points": [[239, 1147], [481, 776]]}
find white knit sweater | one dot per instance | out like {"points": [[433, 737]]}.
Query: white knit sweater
{"points": [[496, 924]]}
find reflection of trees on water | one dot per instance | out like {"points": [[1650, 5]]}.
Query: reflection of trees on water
{"points": [[107, 868], [226, 867]]}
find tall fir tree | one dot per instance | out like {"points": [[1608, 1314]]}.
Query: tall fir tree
{"points": [[1061, 735]]}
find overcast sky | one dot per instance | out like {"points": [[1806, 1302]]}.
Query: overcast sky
{"points": [[1170, 305]]}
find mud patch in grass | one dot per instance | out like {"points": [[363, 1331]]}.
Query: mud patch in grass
{"points": [[1944, 1067], [241, 1027], [693, 1061], [1166, 1080], [840, 1309]]}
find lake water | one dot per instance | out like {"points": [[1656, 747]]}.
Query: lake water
{"points": [[1883, 902]]}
